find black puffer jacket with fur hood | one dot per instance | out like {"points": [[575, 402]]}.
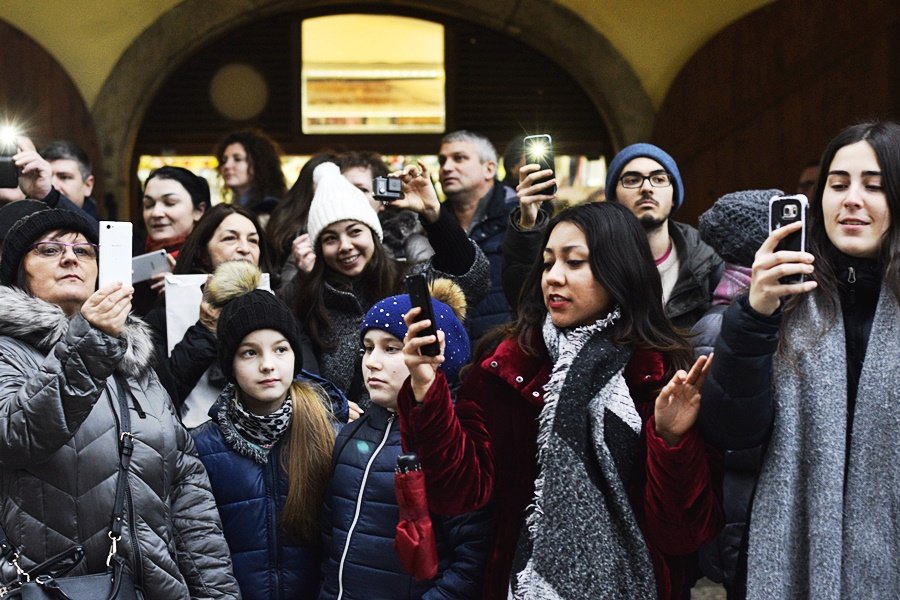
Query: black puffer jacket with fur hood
{"points": [[59, 455]]}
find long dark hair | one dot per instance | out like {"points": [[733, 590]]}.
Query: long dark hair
{"points": [[194, 255], [621, 261], [263, 161], [884, 138], [289, 217], [381, 277]]}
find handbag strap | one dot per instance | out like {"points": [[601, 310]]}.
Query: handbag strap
{"points": [[126, 449], [10, 553]]}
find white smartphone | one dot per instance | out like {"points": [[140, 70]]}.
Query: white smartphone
{"points": [[115, 252], [145, 266]]}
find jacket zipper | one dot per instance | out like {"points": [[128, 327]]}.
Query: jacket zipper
{"points": [[359, 497], [271, 475], [851, 279]]}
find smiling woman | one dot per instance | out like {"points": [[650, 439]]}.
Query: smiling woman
{"points": [[811, 370], [352, 269]]}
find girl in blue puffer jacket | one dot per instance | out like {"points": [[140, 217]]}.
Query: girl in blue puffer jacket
{"points": [[267, 450], [361, 512]]}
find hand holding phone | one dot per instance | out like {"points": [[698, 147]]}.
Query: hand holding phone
{"points": [[115, 252], [417, 287]]}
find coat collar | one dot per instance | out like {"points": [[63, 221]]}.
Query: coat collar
{"points": [[522, 372], [41, 325]]}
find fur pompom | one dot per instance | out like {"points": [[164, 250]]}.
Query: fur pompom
{"points": [[232, 279], [449, 292]]}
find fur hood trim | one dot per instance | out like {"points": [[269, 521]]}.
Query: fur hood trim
{"points": [[41, 325]]}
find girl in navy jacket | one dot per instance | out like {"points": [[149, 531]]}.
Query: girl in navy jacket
{"points": [[267, 450]]}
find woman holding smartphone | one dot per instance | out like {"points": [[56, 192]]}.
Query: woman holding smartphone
{"points": [[565, 424], [811, 369]]}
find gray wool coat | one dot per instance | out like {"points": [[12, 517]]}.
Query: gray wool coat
{"points": [[59, 455]]}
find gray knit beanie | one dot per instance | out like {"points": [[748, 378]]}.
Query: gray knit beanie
{"points": [[737, 225]]}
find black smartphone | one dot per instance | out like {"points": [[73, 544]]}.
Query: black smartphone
{"points": [[784, 210], [9, 173], [539, 150], [417, 287]]}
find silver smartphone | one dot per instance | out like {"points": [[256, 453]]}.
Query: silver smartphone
{"points": [[145, 266], [115, 252]]}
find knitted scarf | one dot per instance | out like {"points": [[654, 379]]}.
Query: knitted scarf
{"points": [[247, 433], [824, 521], [581, 537]]}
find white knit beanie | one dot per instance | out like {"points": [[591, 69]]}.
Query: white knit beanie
{"points": [[336, 199]]}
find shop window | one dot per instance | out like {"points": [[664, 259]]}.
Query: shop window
{"points": [[372, 74]]}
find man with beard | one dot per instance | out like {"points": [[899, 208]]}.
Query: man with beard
{"points": [[646, 180]]}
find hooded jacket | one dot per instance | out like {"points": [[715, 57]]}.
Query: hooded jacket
{"points": [[59, 430]]}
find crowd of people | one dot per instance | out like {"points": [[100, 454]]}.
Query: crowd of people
{"points": [[606, 402]]}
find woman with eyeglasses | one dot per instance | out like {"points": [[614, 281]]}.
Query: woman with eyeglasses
{"points": [[72, 366]]}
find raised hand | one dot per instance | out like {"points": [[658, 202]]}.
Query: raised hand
{"points": [[421, 366], [35, 174], [419, 194], [678, 403], [770, 265], [530, 194], [302, 253]]}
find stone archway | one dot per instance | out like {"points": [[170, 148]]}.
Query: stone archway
{"points": [[559, 33]]}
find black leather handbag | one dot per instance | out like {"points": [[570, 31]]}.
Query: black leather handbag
{"points": [[47, 581]]}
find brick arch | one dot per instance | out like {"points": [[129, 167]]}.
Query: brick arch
{"points": [[610, 83]]}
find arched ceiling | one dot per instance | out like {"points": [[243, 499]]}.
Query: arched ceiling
{"points": [[88, 37]]}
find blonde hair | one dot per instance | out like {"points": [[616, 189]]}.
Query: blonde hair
{"points": [[306, 458]]}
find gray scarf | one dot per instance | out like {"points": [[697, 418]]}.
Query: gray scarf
{"points": [[825, 521], [581, 538]]}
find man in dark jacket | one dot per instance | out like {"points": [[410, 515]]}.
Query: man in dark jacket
{"points": [[646, 179], [481, 205]]}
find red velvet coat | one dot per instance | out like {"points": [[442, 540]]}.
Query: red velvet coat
{"points": [[485, 449]]}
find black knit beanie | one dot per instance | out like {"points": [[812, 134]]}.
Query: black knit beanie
{"points": [[30, 228], [737, 225], [251, 312]]}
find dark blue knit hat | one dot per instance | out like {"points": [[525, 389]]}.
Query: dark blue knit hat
{"points": [[387, 315], [629, 153]]}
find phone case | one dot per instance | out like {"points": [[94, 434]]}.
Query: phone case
{"points": [[115, 252], [784, 210], [417, 286], [545, 160]]}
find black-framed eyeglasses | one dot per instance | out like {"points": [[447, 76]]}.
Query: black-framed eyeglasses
{"points": [[53, 250], [657, 179]]}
